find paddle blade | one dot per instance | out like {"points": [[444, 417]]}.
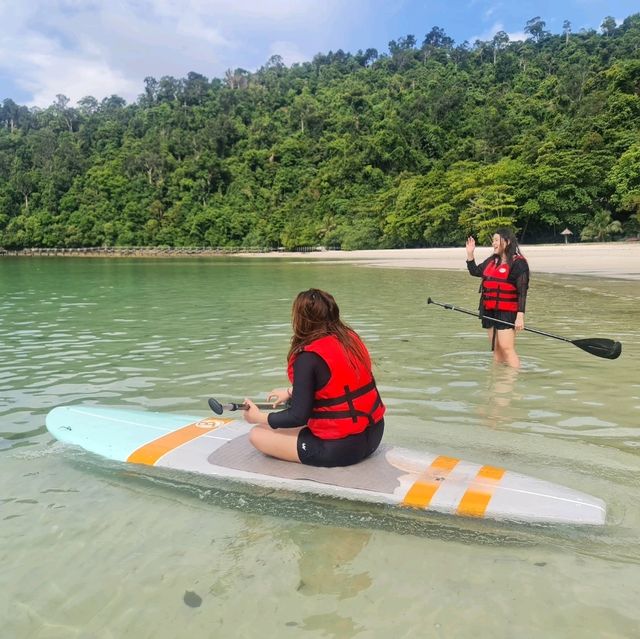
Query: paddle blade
{"points": [[215, 406], [600, 346]]}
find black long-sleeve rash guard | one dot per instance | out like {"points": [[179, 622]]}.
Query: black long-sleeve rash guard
{"points": [[310, 373], [518, 276]]}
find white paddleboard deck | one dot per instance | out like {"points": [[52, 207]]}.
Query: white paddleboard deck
{"points": [[396, 476]]}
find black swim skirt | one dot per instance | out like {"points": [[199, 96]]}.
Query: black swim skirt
{"points": [[505, 316], [351, 449]]}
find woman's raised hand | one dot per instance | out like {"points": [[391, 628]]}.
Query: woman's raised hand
{"points": [[471, 247]]}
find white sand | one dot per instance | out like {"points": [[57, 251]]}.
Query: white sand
{"points": [[619, 260]]}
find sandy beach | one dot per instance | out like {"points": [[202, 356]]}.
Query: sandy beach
{"points": [[620, 260]]}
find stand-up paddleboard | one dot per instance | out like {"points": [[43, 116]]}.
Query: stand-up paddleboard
{"points": [[220, 447]]}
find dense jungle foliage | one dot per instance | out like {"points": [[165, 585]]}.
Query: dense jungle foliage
{"points": [[420, 146]]}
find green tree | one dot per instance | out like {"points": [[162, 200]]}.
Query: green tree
{"points": [[624, 178], [601, 228], [535, 28], [415, 146]]}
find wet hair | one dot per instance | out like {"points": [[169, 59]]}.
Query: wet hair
{"points": [[512, 248], [315, 314]]}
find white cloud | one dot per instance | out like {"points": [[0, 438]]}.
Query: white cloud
{"points": [[517, 35], [101, 47], [253, 10], [44, 68], [487, 35], [489, 12], [289, 52]]}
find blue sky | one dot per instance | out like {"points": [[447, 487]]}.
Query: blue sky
{"points": [[102, 47]]}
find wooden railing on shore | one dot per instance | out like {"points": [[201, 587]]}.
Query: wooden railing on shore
{"points": [[151, 251]]}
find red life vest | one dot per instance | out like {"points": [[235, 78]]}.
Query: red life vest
{"points": [[349, 402], [497, 293]]}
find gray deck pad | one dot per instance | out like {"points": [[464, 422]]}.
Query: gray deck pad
{"points": [[374, 473]]}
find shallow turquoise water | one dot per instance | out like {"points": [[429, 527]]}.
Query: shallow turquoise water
{"points": [[90, 548]]}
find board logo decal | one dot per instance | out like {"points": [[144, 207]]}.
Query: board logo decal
{"points": [[212, 422]]}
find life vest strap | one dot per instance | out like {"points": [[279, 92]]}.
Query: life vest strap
{"points": [[352, 414], [501, 280], [347, 397]]}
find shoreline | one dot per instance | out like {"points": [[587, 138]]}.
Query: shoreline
{"points": [[618, 260]]}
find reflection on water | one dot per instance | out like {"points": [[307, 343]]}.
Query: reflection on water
{"points": [[166, 335], [335, 548], [315, 509], [501, 391]]}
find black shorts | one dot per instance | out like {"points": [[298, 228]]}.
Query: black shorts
{"points": [[351, 449], [505, 316]]}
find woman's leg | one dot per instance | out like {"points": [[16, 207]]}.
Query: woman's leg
{"points": [[506, 347], [498, 357], [281, 443]]}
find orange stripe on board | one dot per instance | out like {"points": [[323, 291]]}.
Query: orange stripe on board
{"points": [[475, 501], [425, 487], [150, 453]]}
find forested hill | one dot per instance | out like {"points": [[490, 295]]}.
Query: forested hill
{"points": [[418, 146]]}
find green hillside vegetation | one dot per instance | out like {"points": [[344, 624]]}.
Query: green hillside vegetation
{"points": [[419, 146]]}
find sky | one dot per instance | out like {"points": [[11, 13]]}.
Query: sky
{"points": [[104, 47]]}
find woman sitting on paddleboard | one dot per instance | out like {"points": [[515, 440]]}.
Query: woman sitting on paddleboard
{"points": [[335, 417], [505, 280]]}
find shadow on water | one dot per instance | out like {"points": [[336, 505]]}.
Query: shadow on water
{"points": [[24, 435], [608, 542]]}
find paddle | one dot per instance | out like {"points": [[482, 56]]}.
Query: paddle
{"points": [[218, 408], [599, 346]]}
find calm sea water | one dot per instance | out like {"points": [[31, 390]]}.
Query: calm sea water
{"points": [[90, 548]]}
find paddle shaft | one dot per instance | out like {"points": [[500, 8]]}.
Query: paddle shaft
{"points": [[230, 406], [464, 310]]}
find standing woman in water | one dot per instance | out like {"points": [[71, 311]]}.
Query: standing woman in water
{"points": [[505, 281]]}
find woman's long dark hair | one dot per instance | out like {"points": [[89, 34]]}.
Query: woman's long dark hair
{"points": [[315, 314], [513, 247]]}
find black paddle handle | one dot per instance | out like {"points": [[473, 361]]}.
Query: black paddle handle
{"points": [[219, 408]]}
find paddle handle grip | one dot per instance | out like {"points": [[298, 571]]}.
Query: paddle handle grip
{"points": [[218, 408]]}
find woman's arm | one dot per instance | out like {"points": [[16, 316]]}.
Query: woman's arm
{"points": [[301, 404], [521, 280], [477, 269], [310, 373]]}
